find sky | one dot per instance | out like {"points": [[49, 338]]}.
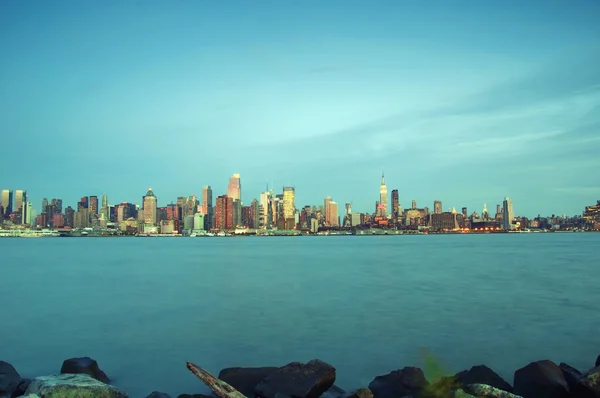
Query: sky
{"points": [[464, 102]]}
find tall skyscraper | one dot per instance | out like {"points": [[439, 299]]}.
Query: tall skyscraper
{"points": [[20, 198], [149, 206], [7, 202], [224, 212], [26, 213], [265, 210], [104, 209], [332, 213], [508, 214], [326, 210], [93, 205], [44, 205], [395, 204], [289, 202], [437, 207], [207, 207], [234, 189], [383, 198]]}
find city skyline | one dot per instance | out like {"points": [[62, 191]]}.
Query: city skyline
{"points": [[464, 103]]}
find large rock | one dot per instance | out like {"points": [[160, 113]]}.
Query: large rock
{"points": [[571, 375], [21, 388], [84, 365], [360, 393], [486, 391], [399, 383], [540, 379], [481, 374], [245, 380], [589, 385], [158, 394], [72, 385], [298, 380], [9, 378], [333, 392]]}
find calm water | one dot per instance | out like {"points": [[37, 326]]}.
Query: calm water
{"points": [[142, 307]]}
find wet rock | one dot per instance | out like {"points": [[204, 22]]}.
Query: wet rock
{"points": [[245, 380], [571, 374], [84, 365], [9, 378], [333, 392], [298, 380], [158, 394], [461, 394], [21, 388], [486, 391], [72, 385], [589, 385], [399, 383], [360, 393], [540, 379], [481, 374]]}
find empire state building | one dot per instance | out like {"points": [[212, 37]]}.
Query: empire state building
{"points": [[382, 208]]}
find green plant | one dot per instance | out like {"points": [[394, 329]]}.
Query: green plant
{"points": [[441, 381]]}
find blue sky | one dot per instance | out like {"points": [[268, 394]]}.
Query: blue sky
{"points": [[465, 102]]}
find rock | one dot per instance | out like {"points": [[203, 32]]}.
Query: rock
{"points": [[399, 383], [298, 380], [21, 388], [360, 393], [9, 378], [570, 374], [333, 392], [486, 391], [195, 396], [540, 379], [84, 365], [598, 361], [481, 374], [30, 396], [158, 394], [589, 385], [72, 385], [461, 394], [245, 380]]}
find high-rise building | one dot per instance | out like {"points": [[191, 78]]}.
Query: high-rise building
{"points": [[234, 189], [382, 198], [326, 210], [44, 205], [508, 214], [224, 212], [414, 204], [254, 214], [207, 207], [395, 204], [7, 201], [437, 207], [464, 212], [236, 209], [265, 210], [333, 214], [20, 198], [289, 202], [26, 213], [69, 220], [149, 203], [93, 205], [104, 209]]}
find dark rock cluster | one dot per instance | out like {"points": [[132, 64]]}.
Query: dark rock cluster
{"points": [[82, 377]]}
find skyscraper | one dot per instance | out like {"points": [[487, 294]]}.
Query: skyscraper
{"points": [[508, 214], [234, 189], [20, 198], [224, 212], [265, 210], [382, 198], [104, 209], [7, 202], [395, 204], [289, 202], [326, 210], [149, 205], [26, 213], [437, 207], [93, 205], [207, 207]]}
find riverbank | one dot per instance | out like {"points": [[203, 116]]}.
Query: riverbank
{"points": [[82, 377]]}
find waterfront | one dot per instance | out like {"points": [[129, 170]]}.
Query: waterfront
{"points": [[143, 308]]}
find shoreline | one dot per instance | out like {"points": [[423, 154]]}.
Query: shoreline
{"points": [[83, 377]]}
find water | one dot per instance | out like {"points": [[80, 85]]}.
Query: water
{"points": [[143, 307]]}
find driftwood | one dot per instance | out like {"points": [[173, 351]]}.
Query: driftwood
{"points": [[218, 386]]}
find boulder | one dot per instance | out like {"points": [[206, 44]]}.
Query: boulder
{"points": [[486, 391], [570, 374], [540, 379], [460, 394], [589, 385], [245, 380], [298, 380], [84, 365], [158, 394], [21, 388], [9, 378], [360, 393], [333, 392], [72, 385], [481, 374], [399, 383]]}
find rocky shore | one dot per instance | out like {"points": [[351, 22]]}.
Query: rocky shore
{"points": [[83, 378]]}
